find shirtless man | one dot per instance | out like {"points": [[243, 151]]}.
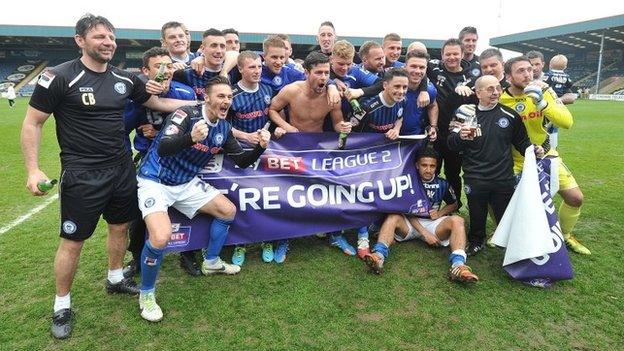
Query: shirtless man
{"points": [[307, 100]]}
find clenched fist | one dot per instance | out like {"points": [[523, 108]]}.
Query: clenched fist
{"points": [[199, 131]]}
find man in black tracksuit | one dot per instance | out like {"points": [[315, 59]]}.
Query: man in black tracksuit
{"points": [[447, 76], [487, 162]]}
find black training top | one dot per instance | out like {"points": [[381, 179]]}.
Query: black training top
{"points": [[88, 107], [488, 157]]}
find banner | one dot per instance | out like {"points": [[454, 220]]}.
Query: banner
{"points": [[302, 185], [530, 229]]}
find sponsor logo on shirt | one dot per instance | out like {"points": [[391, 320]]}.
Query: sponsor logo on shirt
{"points": [[172, 129], [46, 79], [178, 116]]}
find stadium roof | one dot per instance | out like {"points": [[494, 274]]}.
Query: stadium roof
{"points": [[53, 35], [567, 38]]}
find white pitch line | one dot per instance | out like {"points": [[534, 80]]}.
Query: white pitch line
{"points": [[22, 218]]}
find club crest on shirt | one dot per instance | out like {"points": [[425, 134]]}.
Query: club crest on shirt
{"points": [[476, 72], [400, 112], [519, 107], [149, 202], [120, 87], [503, 122], [277, 80], [267, 99], [218, 139]]}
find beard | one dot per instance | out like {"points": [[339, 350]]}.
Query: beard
{"points": [[95, 55]]}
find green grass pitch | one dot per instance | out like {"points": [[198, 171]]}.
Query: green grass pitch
{"points": [[320, 299]]}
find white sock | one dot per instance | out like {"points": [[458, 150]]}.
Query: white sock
{"points": [[115, 275], [61, 302]]}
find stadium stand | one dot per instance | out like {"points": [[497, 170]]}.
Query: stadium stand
{"points": [[56, 44], [581, 43]]}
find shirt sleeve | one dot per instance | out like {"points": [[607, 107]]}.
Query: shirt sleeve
{"points": [[183, 76], [555, 111], [49, 92], [433, 92], [520, 139], [449, 195], [139, 94], [242, 158], [176, 134]]}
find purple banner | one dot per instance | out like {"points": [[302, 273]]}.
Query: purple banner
{"points": [[554, 266], [303, 185]]}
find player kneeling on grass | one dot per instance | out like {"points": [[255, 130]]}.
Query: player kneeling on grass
{"points": [[438, 229], [168, 177]]}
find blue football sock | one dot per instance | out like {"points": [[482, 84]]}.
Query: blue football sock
{"points": [[363, 233], [382, 249], [457, 258], [151, 259], [218, 233]]}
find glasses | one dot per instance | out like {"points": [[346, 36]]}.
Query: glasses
{"points": [[493, 89]]}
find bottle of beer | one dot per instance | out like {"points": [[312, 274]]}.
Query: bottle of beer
{"points": [[160, 76], [358, 111], [342, 140], [46, 185]]}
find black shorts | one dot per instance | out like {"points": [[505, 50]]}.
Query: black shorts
{"points": [[85, 195]]}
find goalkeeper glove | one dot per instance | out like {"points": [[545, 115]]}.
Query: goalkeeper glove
{"points": [[537, 95]]}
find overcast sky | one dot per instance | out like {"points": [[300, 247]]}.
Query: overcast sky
{"points": [[425, 20]]}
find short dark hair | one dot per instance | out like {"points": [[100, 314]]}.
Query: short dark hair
{"points": [[428, 152], [417, 54], [394, 72], [171, 24], [391, 37], [367, 46], [246, 55], [491, 52], [511, 61], [328, 24], [452, 42], [216, 81], [314, 58], [153, 52], [212, 32], [535, 54], [467, 30], [230, 31], [89, 21]]}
